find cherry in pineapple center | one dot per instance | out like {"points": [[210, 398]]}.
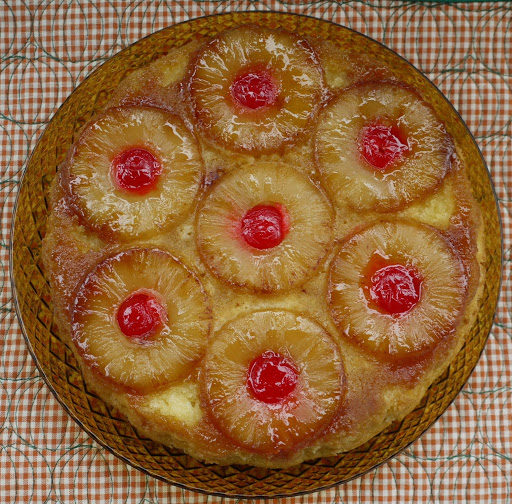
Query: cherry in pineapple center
{"points": [[382, 145], [265, 226], [391, 287], [136, 170], [271, 377], [140, 316], [255, 89]]}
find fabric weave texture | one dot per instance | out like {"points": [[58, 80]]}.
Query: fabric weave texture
{"points": [[48, 47]]}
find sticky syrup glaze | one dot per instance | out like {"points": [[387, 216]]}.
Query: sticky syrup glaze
{"points": [[76, 250]]}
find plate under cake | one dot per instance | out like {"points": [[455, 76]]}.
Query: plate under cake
{"points": [[264, 246]]}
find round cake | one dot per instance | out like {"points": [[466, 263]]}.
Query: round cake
{"points": [[264, 249]]}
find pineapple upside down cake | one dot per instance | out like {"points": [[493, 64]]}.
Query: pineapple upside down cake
{"points": [[264, 249]]}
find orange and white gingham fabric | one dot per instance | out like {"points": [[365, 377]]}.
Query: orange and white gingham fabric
{"points": [[47, 47]]}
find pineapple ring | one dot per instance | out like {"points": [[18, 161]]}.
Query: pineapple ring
{"points": [[430, 320], [281, 426], [285, 60], [232, 259], [179, 342], [106, 208], [351, 178]]}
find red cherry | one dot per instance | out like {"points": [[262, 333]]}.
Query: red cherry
{"points": [[395, 289], [382, 145], [265, 226], [136, 170], [255, 89], [140, 315], [271, 377]]}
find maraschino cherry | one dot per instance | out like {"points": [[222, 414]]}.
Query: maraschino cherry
{"points": [[136, 170], [382, 145], [255, 89], [394, 288], [140, 316], [272, 377], [265, 226]]}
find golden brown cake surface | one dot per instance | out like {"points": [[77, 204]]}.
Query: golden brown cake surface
{"points": [[264, 249]]}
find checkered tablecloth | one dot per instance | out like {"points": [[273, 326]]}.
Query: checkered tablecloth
{"points": [[47, 47]]}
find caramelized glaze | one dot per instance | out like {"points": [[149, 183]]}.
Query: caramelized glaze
{"points": [[374, 391]]}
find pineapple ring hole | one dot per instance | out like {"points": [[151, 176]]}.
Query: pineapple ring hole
{"points": [[141, 315], [271, 377], [265, 226], [382, 145], [136, 170], [254, 89], [392, 288]]}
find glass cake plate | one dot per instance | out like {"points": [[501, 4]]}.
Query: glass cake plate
{"points": [[56, 361]]}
